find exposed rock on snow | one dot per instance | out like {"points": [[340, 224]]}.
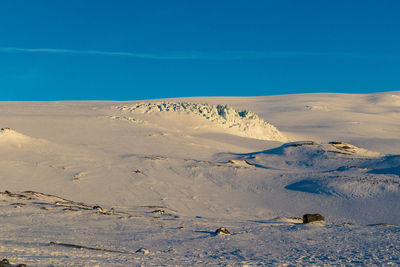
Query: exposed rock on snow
{"points": [[317, 108], [222, 231], [6, 263], [98, 208], [125, 118], [350, 149], [325, 148], [308, 218], [47, 201], [241, 163], [245, 122], [143, 251]]}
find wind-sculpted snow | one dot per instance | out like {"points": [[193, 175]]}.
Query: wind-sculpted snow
{"points": [[128, 184], [11, 136], [334, 168], [245, 122], [40, 228]]}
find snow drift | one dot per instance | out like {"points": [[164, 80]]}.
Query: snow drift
{"points": [[334, 168], [12, 137]]}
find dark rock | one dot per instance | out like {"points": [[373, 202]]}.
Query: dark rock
{"points": [[98, 208], [307, 218], [336, 143], [6, 263], [222, 230], [300, 143], [159, 211], [143, 251]]}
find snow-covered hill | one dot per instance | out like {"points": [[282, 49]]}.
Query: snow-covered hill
{"points": [[149, 183], [334, 168], [244, 122]]}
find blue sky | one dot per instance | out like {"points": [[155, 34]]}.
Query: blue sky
{"points": [[128, 50]]}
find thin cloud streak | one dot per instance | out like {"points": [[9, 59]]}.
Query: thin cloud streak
{"points": [[187, 55]]}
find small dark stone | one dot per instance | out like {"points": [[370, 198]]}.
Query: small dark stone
{"points": [[98, 208], [159, 211], [307, 218], [222, 230], [301, 143], [143, 251], [335, 143]]}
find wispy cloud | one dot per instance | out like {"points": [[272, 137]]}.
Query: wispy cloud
{"points": [[182, 55]]}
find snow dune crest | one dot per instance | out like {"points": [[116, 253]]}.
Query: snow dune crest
{"points": [[334, 168], [11, 136], [241, 122]]}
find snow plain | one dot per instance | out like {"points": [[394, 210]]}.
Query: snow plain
{"points": [[148, 182]]}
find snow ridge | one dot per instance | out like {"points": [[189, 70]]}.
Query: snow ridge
{"points": [[10, 136], [242, 121], [334, 168]]}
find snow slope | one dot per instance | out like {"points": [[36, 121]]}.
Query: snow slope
{"points": [[242, 122], [148, 183], [10, 137]]}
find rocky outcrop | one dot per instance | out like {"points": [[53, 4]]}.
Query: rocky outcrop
{"points": [[244, 122], [308, 218]]}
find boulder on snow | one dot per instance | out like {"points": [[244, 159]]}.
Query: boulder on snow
{"points": [[6, 263], [307, 218], [98, 208], [143, 251], [222, 231]]}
